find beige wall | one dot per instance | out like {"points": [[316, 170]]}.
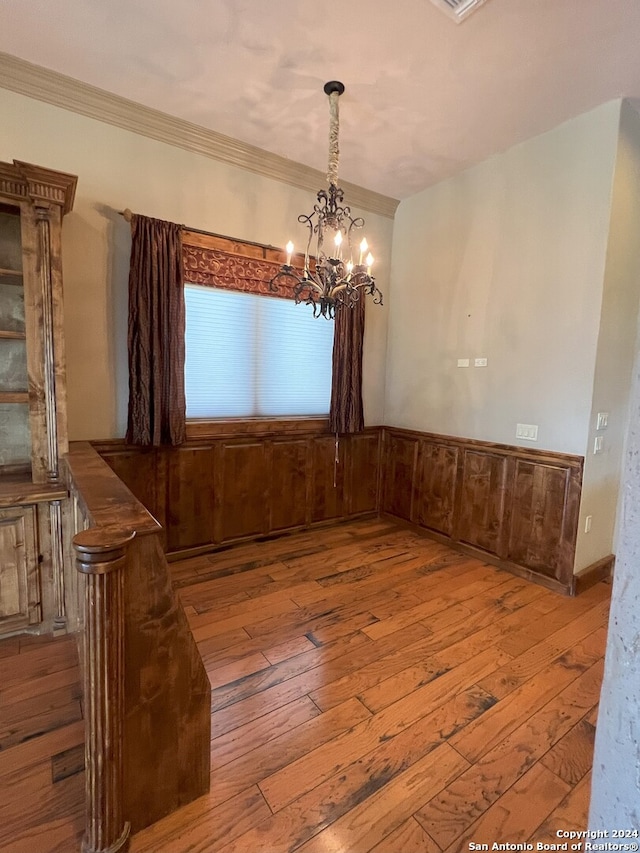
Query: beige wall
{"points": [[616, 348], [118, 169], [505, 261]]}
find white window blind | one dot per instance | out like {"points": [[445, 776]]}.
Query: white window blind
{"points": [[254, 356]]}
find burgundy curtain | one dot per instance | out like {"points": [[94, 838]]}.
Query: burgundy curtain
{"points": [[156, 334], [345, 414]]}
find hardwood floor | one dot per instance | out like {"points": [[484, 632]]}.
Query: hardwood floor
{"points": [[41, 746], [372, 691], [375, 691]]}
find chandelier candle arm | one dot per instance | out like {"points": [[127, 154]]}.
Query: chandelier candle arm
{"points": [[328, 283]]}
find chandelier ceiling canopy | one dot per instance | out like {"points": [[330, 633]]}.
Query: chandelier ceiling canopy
{"points": [[336, 273]]}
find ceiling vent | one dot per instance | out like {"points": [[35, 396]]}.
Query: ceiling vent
{"points": [[458, 9]]}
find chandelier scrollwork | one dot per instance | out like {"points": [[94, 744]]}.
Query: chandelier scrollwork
{"points": [[331, 278]]}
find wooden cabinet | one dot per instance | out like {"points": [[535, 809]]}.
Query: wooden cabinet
{"points": [[33, 424], [19, 576]]}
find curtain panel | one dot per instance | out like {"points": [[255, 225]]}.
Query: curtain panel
{"points": [[156, 334]]}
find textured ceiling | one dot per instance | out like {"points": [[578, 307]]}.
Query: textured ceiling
{"points": [[425, 97]]}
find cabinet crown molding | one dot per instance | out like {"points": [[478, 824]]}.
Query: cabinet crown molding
{"points": [[25, 181]]}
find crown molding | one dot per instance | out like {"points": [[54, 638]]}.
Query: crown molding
{"points": [[70, 94]]}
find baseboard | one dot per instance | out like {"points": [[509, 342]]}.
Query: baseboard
{"points": [[486, 557], [216, 547], [593, 574]]}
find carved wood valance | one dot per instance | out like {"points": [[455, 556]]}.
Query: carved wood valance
{"points": [[215, 261]]}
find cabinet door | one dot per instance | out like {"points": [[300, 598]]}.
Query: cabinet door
{"points": [[19, 574], [15, 437]]}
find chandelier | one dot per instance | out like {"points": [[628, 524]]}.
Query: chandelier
{"points": [[336, 276]]}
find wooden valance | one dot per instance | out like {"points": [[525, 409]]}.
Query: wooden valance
{"points": [[215, 261]]}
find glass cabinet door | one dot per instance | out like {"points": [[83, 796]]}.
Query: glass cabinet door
{"points": [[15, 439]]}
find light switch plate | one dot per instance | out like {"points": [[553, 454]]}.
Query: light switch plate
{"points": [[480, 362], [603, 420], [463, 362], [528, 431], [598, 444]]}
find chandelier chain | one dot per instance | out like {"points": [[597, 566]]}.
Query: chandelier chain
{"points": [[334, 133]]}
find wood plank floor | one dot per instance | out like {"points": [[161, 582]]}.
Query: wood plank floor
{"points": [[372, 691], [41, 745], [375, 691]]}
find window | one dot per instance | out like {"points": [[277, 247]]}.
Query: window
{"points": [[254, 356]]}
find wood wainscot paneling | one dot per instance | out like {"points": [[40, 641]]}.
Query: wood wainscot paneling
{"points": [[364, 466], [190, 495], [436, 476], [517, 507], [544, 511], [400, 458], [482, 500], [288, 463], [242, 494], [327, 481], [235, 480]]}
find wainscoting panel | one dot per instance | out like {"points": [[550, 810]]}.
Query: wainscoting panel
{"points": [[437, 473], [518, 507], [242, 503], [288, 464], [514, 506], [245, 479], [481, 500], [400, 456], [327, 489], [364, 465], [190, 496], [544, 517]]}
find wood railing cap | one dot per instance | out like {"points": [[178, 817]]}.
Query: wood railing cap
{"points": [[101, 545]]}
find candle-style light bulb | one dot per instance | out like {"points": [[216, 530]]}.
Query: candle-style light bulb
{"points": [[349, 268], [338, 241], [363, 248], [370, 260], [289, 248]]}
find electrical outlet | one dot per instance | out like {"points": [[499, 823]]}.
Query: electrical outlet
{"points": [[479, 362], [598, 444], [587, 523], [463, 362]]}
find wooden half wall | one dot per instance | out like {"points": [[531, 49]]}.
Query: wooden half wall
{"points": [[231, 481], [149, 752]]}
